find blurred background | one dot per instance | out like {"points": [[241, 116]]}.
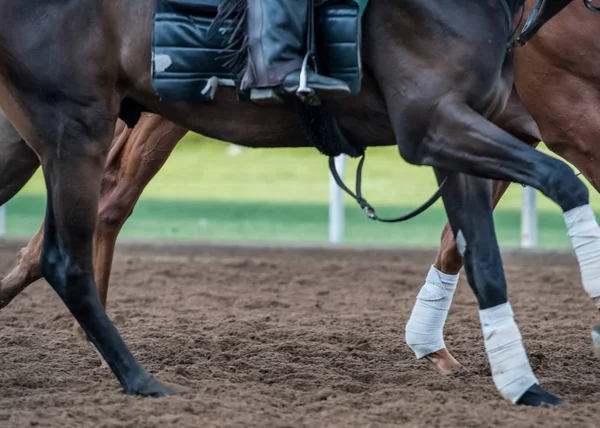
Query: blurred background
{"points": [[215, 191]]}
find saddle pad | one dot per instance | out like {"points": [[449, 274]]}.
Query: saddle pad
{"points": [[188, 58], [189, 61]]}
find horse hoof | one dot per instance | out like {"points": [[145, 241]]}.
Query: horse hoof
{"points": [[153, 388], [443, 362], [536, 396]]}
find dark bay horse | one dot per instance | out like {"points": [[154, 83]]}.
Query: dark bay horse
{"points": [[438, 70]]}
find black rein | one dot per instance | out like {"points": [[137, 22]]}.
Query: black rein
{"points": [[368, 208]]}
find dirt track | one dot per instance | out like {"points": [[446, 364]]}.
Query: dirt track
{"points": [[296, 338]]}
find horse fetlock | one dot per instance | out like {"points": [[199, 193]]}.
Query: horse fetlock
{"points": [[424, 331], [22, 275], [511, 371]]}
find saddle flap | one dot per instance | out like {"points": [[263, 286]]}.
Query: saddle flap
{"points": [[192, 53]]}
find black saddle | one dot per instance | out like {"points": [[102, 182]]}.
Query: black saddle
{"points": [[192, 51]]}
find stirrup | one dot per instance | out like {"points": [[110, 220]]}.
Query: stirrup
{"points": [[306, 94]]}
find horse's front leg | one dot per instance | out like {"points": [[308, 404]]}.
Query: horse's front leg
{"points": [[424, 330], [468, 203], [135, 159], [460, 140], [72, 141]]}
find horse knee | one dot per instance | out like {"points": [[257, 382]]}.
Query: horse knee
{"points": [[112, 215]]}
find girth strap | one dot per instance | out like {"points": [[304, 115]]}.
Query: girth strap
{"points": [[368, 208]]}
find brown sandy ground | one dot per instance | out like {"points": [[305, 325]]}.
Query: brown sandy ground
{"points": [[292, 338]]}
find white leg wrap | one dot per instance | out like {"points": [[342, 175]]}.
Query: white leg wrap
{"points": [[511, 371], [424, 332], [584, 232]]}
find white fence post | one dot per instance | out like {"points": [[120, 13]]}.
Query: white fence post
{"points": [[336, 204], [3, 220], [529, 227]]}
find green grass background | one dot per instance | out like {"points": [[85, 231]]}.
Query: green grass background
{"points": [[207, 191]]}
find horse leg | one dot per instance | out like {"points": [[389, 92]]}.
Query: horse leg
{"points": [[66, 263], [132, 163], [424, 329], [459, 139], [72, 141], [468, 203], [17, 164], [25, 273]]}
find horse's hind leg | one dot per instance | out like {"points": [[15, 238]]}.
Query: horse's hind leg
{"points": [[26, 272], [132, 163], [18, 162], [448, 259]]}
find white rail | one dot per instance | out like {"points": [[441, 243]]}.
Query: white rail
{"points": [[337, 219], [529, 218]]}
